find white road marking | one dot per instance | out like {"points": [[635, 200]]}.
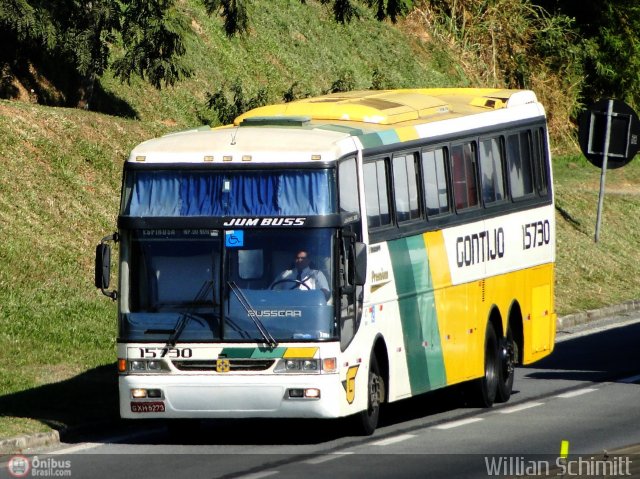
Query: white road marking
{"points": [[328, 457], [259, 475], [573, 394], [520, 407], [462, 422], [72, 449], [393, 440]]}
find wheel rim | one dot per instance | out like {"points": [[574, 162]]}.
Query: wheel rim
{"points": [[374, 393]]}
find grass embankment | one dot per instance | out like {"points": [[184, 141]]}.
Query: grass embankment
{"points": [[591, 275], [59, 185], [60, 180]]}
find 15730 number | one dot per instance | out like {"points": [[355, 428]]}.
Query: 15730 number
{"points": [[536, 234], [171, 353]]}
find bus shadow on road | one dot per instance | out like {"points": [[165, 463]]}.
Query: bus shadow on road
{"points": [[604, 356], [277, 432], [72, 406]]}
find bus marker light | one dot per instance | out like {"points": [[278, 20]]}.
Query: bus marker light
{"points": [[122, 365], [329, 365], [227, 158], [138, 393], [154, 393], [296, 393], [208, 158], [246, 157], [316, 157], [141, 158], [312, 393]]}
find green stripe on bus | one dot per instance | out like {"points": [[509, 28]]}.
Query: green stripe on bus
{"points": [[370, 140], [252, 353], [418, 314]]}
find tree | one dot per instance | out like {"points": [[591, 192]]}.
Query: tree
{"points": [[609, 29], [70, 42], [234, 13], [390, 8]]}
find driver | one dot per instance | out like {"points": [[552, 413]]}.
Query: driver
{"points": [[303, 276]]}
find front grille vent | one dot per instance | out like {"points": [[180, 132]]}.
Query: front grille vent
{"points": [[234, 365]]}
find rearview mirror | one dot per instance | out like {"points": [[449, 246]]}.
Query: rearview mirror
{"points": [[361, 264], [103, 266]]}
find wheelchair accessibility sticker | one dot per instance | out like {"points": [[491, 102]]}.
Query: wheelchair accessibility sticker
{"points": [[234, 238]]}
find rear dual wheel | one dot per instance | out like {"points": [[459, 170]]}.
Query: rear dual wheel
{"points": [[508, 355], [499, 359], [485, 389]]}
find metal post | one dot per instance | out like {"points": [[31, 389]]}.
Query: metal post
{"points": [[605, 154]]}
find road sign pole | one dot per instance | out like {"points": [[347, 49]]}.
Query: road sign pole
{"points": [[605, 154]]}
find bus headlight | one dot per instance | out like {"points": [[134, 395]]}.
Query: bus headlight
{"points": [[297, 366], [142, 366], [137, 365]]}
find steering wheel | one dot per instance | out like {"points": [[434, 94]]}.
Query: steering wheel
{"points": [[288, 280]]}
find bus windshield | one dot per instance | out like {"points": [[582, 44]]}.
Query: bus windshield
{"points": [[213, 285]]}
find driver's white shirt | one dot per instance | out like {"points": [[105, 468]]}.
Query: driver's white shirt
{"points": [[312, 278]]}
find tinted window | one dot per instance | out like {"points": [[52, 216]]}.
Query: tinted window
{"points": [[405, 187], [492, 171], [540, 160], [377, 199], [464, 174], [435, 182], [348, 186], [519, 161]]}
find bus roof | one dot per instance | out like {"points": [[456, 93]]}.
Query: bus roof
{"points": [[330, 126]]}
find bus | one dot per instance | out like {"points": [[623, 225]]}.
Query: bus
{"points": [[424, 219]]}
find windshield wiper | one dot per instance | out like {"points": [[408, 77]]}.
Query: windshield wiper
{"points": [[185, 317], [251, 312]]}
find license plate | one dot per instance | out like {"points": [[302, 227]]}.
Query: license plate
{"points": [[156, 406]]}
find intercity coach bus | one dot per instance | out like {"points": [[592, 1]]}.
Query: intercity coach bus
{"points": [[424, 217]]}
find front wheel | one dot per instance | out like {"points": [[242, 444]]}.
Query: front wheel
{"points": [[367, 420]]}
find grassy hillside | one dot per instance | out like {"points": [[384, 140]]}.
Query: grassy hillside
{"points": [[60, 180], [288, 42]]}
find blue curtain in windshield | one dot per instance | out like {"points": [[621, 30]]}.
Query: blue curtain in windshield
{"points": [[170, 193]]}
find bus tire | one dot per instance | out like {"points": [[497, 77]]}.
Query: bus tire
{"points": [[485, 389], [507, 359], [367, 420]]}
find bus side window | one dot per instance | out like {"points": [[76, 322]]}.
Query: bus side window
{"points": [[435, 181], [405, 188], [540, 161], [348, 186], [519, 161], [464, 171], [376, 192], [492, 171]]}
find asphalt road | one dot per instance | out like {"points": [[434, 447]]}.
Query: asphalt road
{"points": [[586, 393]]}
